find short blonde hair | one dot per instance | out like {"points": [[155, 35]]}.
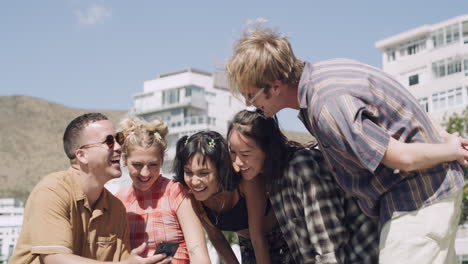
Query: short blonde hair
{"points": [[262, 56], [139, 132]]}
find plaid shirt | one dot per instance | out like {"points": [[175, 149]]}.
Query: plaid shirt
{"points": [[318, 221], [152, 215], [353, 109]]}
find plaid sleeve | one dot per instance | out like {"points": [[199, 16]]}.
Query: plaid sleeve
{"points": [[321, 205], [330, 225], [350, 129]]}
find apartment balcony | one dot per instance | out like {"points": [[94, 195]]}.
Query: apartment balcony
{"points": [[147, 103], [191, 123]]}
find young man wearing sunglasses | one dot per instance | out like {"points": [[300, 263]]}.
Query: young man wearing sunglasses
{"points": [[383, 148], [69, 216]]}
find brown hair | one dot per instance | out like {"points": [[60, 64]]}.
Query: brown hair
{"points": [[72, 134], [267, 134]]}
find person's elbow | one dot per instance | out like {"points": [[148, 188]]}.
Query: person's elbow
{"points": [[398, 157], [402, 161]]}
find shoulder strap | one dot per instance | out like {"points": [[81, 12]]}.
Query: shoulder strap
{"points": [[201, 213]]}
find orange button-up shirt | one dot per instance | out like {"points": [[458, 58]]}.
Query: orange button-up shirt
{"points": [[59, 220]]}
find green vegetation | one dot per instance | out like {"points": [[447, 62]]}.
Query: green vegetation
{"points": [[459, 123]]}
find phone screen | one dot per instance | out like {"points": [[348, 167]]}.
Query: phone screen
{"points": [[167, 247]]}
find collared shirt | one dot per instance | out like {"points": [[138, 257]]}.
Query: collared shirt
{"points": [[319, 222], [59, 220], [152, 215], [353, 109]]}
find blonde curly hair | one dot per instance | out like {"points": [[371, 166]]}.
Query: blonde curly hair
{"points": [[139, 132]]}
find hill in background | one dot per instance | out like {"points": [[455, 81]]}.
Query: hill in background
{"points": [[31, 131]]}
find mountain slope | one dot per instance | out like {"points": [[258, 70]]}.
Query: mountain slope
{"points": [[31, 131]]}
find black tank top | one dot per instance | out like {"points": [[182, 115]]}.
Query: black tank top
{"points": [[235, 219]]}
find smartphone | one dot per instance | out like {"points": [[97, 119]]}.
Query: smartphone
{"points": [[167, 247]]}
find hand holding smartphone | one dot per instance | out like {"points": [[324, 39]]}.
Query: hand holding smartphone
{"points": [[167, 247]]}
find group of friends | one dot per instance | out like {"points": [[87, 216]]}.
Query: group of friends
{"points": [[383, 185]]}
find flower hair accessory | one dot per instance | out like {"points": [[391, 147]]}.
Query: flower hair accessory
{"points": [[212, 143], [157, 135]]}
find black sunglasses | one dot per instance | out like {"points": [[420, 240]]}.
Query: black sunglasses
{"points": [[109, 141]]}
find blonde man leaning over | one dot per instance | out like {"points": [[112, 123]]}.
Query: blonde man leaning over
{"points": [[383, 148]]}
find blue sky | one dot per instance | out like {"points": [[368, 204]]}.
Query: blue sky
{"points": [[96, 54]]}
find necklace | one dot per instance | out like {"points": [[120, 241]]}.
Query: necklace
{"points": [[219, 203]]}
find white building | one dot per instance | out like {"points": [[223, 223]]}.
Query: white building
{"points": [[11, 219], [461, 244], [432, 62], [189, 101]]}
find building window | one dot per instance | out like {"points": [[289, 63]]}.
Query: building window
{"points": [[446, 35], [447, 99], [170, 96], [450, 68], [442, 100], [465, 66], [391, 55], [423, 102], [458, 64], [453, 65], [10, 249], [458, 96], [413, 47], [188, 91], [438, 38], [451, 97], [446, 67], [435, 102], [465, 32], [174, 96], [456, 32], [438, 68], [466, 94], [413, 79]]}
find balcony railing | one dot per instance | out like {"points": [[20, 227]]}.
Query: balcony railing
{"points": [[149, 104], [191, 121]]}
